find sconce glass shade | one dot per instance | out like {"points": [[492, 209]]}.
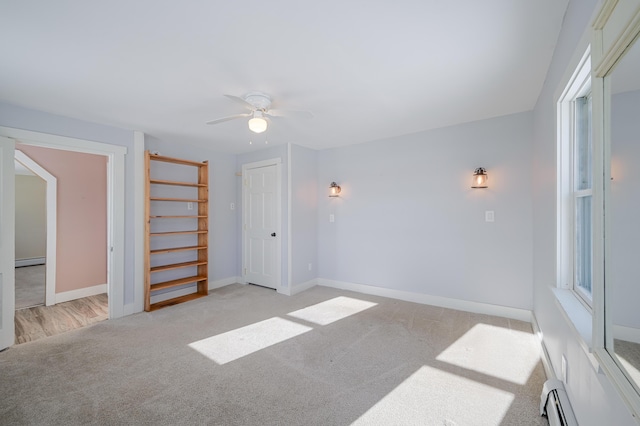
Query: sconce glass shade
{"points": [[334, 189], [480, 178], [257, 124]]}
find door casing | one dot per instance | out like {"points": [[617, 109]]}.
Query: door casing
{"points": [[115, 206], [277, 259], [7, 242]]}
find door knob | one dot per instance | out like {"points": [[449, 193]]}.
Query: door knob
{"points": [[273, 234]]}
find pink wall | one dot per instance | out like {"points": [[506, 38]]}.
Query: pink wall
{"points": [[82, 215]]}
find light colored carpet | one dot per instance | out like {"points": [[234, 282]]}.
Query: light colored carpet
{"points": [[30, 286], [249, 356]]}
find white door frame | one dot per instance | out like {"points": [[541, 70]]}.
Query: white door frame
{"points": [[51, 231], [115, 201], [7, 243], [278, 258]]}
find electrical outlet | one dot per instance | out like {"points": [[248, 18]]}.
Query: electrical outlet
{"points": [[233, 206], [332, 218], [564, 369], [189, 206]]}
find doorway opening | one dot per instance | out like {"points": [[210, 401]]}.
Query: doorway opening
{"points": [[78, 233], [31, 238], [36, 232], [115, 155]]}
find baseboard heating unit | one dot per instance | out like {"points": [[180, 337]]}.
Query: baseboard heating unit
{"points": [[555, 404]]}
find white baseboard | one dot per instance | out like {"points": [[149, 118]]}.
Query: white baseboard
{"points": [[299, 288], [80, 293], [131, 308], [223, 282], [444, 302], [190, 289], [30, 262], [546, 360], [628, 334]]}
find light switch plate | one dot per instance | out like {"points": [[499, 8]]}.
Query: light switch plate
{"points": [[489, 216]]}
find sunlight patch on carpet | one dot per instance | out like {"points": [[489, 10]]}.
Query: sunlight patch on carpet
{"points": [[235, 344], [434, 397], [332, 310], [495, 351]]}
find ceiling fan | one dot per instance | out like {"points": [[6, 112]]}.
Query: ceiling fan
{"points": [[259, 106]]}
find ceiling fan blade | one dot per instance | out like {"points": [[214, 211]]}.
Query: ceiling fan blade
{"points": [[289, 113], [231, 117], [241, 101]]}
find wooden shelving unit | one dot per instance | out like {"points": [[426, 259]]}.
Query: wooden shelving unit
{"points": [[163, 240]]}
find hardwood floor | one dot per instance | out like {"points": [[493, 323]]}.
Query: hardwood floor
{"points": [[42, 321]]}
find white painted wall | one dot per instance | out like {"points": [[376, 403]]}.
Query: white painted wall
{"points": [[304, 214], [31, 217], [407, 219], [592, 395]]}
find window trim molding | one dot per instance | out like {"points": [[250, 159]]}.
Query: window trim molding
{"points": [[573, 86], [616, 27]]}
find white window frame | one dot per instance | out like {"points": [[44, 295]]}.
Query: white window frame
{"points": [[579, 85]]}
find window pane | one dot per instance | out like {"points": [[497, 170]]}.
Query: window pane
{"points": [[583, 244], [583, 145]]}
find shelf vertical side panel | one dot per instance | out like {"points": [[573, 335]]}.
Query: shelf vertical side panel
{"points": [[147, 232], [203, 224]]}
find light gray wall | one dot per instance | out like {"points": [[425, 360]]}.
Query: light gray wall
{"points": [[222, 192], [593, 398], [407, 219], [279, 151], [304, 214], [31, 217], [624, 238], [38, 121]]}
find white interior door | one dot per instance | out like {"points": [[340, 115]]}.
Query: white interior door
{"points": [[7, 242], [261, 225]]}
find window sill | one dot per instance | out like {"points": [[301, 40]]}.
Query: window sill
{"points": [[580, 320]]}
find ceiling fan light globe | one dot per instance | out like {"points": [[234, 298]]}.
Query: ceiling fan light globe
{"points": [[257, 124]]}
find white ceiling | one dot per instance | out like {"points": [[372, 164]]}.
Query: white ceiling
{"points": [[366, 69]]}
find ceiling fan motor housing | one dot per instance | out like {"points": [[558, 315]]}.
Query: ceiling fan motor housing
{"points": [[259, 100]]}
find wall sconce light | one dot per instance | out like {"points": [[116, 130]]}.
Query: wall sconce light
{"points": [[334, 189], [480, 178]]}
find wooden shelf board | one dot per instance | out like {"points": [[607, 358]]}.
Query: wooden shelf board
{"points": [[176, 249], [177, 265], [165, 159], [179, 217], [199, 282], [184, 200], [178, 282], [176, 183], [156, 234], [175, 301]]}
